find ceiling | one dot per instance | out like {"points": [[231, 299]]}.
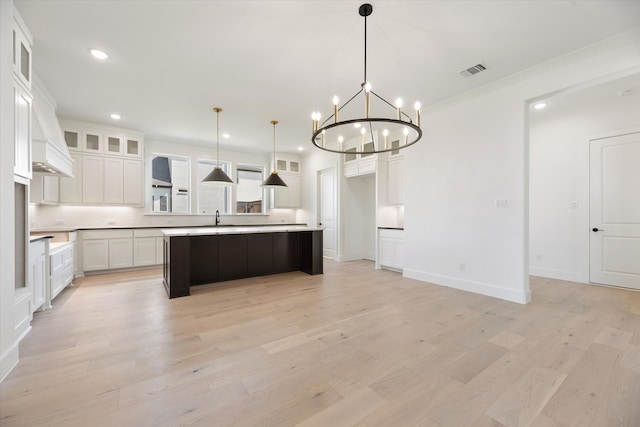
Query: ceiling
{"points": [[172, 61]]}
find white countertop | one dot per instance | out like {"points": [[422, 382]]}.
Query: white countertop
{"points": [[221, 229]]}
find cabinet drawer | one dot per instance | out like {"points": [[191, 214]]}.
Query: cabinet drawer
{"points": [[393, 234], [148, 232], [107, 234]]}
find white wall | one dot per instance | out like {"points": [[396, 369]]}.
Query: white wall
{"points": [[559, 180], [474, 151], [8, 343]]}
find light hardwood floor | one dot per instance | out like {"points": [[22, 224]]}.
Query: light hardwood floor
{"points": [[352, 347]]}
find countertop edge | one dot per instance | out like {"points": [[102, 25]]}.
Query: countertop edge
{"points": [[136, 227]]}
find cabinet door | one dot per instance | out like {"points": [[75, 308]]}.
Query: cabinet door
{"points": [[113, 180], [22, 57], [394, 184], [134, 179], [71, 187], [133, 147], [92, 142], [144, 251], [95, 254], [92, 179], [387, 252], [72, 139], [22, 164], [113, 145], [399, 254], [120, 253]]}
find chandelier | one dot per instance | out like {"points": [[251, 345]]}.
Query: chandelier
{"points": [[394, 130]]}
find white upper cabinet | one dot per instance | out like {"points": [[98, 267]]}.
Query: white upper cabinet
{"points": [[92, 142], [22, 52], [114, 145]]}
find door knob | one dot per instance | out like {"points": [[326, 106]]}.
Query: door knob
{"points": [[596, 229]]}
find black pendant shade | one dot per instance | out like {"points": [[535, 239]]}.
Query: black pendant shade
{"points": [[217, 175], [274, 180]]}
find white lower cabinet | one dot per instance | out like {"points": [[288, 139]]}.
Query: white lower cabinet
{"points": [[120, 253], [95, 255], [107, 249], [147, 247], [37, 277], [61, 262], [391, 249], [114, 249]]}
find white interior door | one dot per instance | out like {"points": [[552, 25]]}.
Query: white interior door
{"points": [[328, 211], [615, 211]]}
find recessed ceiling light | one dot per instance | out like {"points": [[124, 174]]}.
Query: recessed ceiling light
{"points": [[300, 148], [99, 54], [115, 116], [225, 135], [540, 105]]}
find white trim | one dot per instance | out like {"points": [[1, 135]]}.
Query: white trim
{"points": [[9, 360], [470, 286]]}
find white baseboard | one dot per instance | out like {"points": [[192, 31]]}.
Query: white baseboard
{"points": [[550, 273], [520, 297], [9, 360]]}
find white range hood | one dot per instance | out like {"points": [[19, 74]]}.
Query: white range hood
{"points": [[50, 154]]}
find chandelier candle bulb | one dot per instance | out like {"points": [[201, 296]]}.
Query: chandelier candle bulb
{"points": [[336, 101], [417, 106], [406, 135], [362, 132], [398, 107], [385, 133]]}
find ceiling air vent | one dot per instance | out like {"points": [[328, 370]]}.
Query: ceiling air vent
{"points": [[473, 70]]}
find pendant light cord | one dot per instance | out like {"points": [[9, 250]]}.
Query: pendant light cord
{"points": [[217, 110], [274, 123]]}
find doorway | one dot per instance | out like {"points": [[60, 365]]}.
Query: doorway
{"points": [[562, 137], [328, 211], [614, 207]]}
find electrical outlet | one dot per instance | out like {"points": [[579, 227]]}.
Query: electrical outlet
{"points": [[501, 203]]}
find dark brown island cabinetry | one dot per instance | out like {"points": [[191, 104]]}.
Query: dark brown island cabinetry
{"points": [[199, 259]]}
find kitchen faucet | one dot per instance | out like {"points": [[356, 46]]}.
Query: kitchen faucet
{"points": [[217, 217]]}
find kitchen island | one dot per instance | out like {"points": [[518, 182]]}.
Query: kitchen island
{"points": [[194, 256]]}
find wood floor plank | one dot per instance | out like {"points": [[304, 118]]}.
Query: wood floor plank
{"points": [[355, 346]]}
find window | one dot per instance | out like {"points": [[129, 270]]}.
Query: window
{"points": [[212, 198], [170, 184], [250, 193]]}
